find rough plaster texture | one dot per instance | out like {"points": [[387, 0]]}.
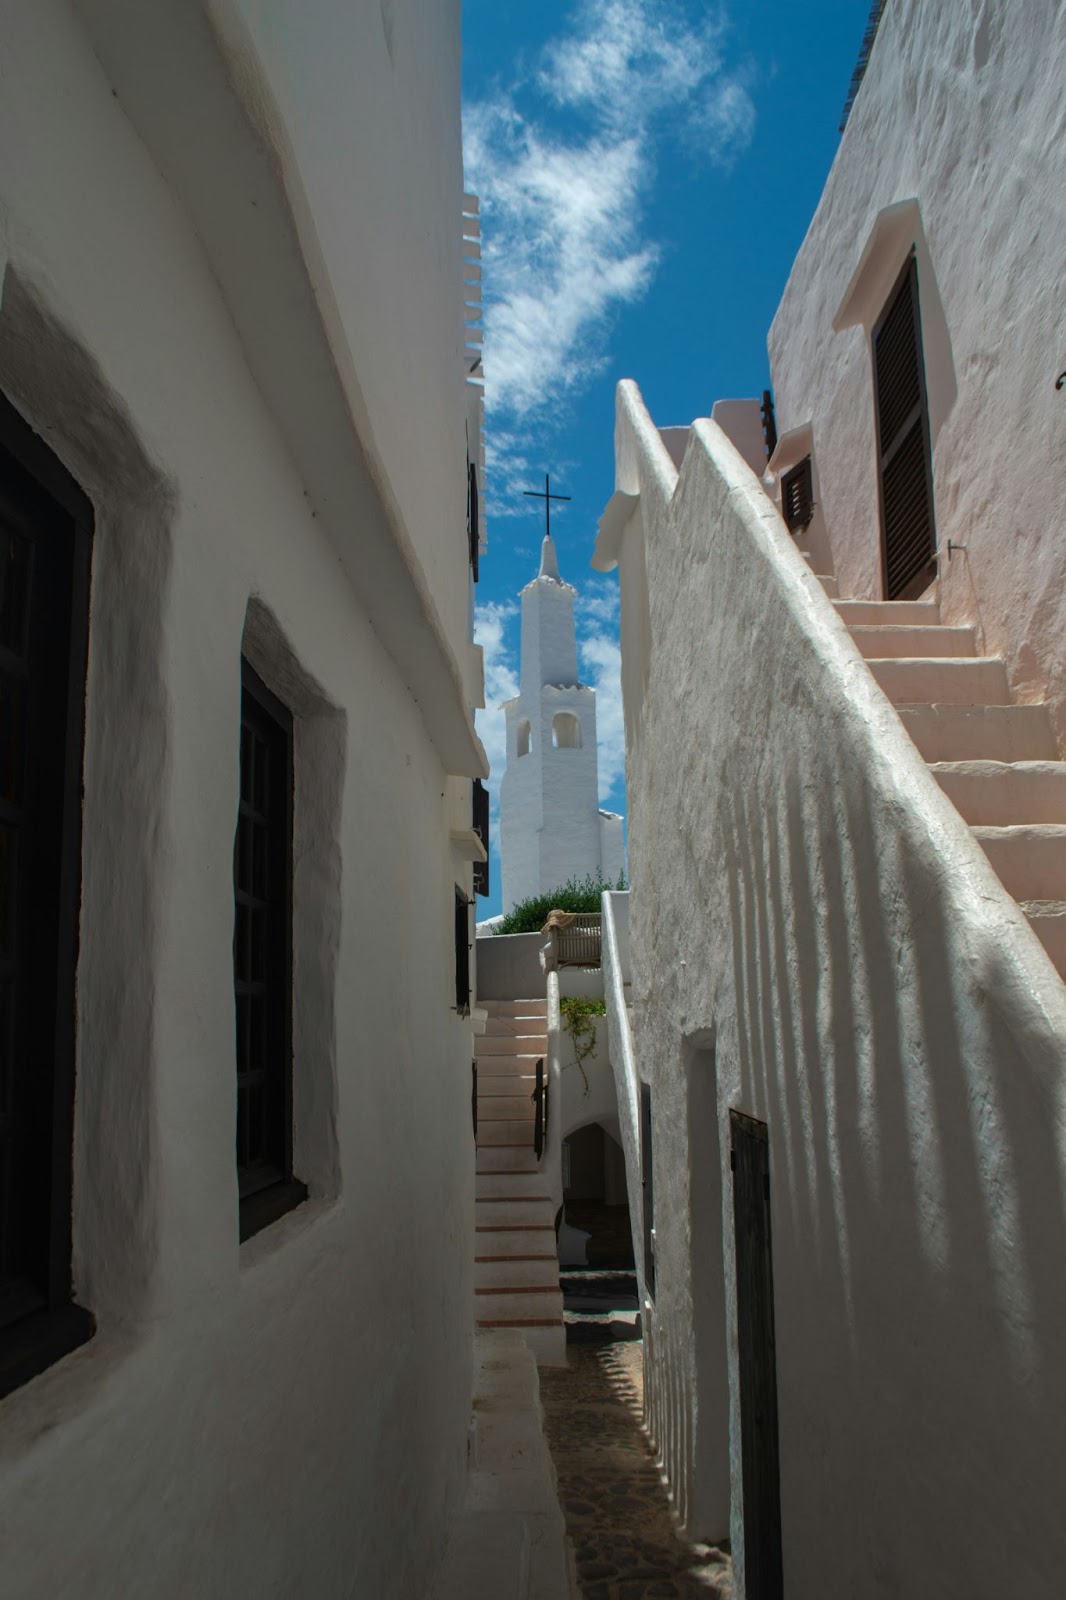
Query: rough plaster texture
{"points": [[246, 152], [508, 966], [813, 924], [240, 1424], [961, 112], [551, 827]]}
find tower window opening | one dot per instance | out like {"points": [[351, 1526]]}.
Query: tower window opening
{"points": [[566, 731], [523, 738]]}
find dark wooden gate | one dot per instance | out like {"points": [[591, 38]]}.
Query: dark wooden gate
{"points": [[904, 452], [750, 1160], [647, 1183], [539, 1098]]}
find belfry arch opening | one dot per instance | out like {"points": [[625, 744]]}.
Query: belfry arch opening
{"points": [[523, 737], [566, 731]]}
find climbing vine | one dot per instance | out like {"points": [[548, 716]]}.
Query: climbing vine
{"points": [[578, 1015]]}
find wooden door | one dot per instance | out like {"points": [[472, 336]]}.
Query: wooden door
{"points": [[904, 453], [647, 1184], [750, 1160]]}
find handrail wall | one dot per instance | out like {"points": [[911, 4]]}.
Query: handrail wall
{"points": [[806, 899]]}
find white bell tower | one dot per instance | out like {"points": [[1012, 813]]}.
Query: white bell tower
{"points": [[551, 825]]}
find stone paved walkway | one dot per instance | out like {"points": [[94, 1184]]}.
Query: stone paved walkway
{"points": [[618, 1516]]}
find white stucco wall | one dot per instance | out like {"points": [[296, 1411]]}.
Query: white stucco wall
{"points": [[387, 232], [818, 941], [258, 1418], [960, 111]]}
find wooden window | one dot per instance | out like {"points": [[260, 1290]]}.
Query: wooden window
{"points": [[45, 545], [481, 828], [750, 1160], [262, 959], [462, 953], [797, 496], [905, 468], [647, 1183], [473, 519]]}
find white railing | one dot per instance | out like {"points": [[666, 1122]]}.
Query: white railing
{"points": [[551, 1162], [615, 963]]}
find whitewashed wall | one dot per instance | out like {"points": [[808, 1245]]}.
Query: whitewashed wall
{"points": [[961, 111], [818, 941], [257, 1418]]}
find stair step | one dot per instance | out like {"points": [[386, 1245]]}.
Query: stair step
{"points": [[1047, 918], [503, 1107], [500, 1132], [885, 643], [519, 1211], [499, 1027], [510, 1044], [509, 1185], [888, 613], [542, 1304], [535, 1007], [506, 1158], [1030, 860], [546, 1338], [505, 1083], [980, 733], [522, 1066], [517, 1272], [828, 584], [497, 1241], [1001, 793], [981, 681]]}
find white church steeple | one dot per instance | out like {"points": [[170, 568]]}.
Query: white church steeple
{"points": [[551, 825], [549, 561]]}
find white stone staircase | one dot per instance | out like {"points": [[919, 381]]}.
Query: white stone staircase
{"points": [[516, 1267], [996, 760]]}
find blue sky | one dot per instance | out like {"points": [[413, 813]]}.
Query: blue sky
{"points": [[647, 170]]}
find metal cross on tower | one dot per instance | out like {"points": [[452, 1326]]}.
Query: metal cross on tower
{"points": [[547, 497]]}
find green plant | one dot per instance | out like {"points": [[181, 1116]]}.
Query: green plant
{"points": [[577, 894], [578, 1014]]}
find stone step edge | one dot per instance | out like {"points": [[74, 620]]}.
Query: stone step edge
{"points": [[519, 1322], [514, 1227], [508, 1199], [522, 1288], [548, 1257]]}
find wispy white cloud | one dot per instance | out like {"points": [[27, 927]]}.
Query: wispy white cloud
{"points": [[491, 627], [563, 196], [601, 663], [597, 615], [560, 252]]}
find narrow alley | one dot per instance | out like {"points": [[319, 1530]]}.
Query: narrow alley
{"points": [[619, 1519]]}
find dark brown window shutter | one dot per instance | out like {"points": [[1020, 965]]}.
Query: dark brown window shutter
{"points": [[903, 446], [473, 518], [797, 496], [481, 828], [462, 952]]}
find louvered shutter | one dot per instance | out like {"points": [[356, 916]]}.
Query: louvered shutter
{"points": [[904, 455], [481, 828], [797, 496]]}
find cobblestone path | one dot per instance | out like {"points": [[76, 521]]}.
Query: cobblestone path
{"points": [[617, 1512]]}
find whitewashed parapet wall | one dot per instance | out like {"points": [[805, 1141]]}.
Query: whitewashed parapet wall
{"points": [[818, 941], [232, 306], [960, 114]]}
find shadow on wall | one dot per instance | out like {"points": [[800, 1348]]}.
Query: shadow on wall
{"points": [[919, 1221]]}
